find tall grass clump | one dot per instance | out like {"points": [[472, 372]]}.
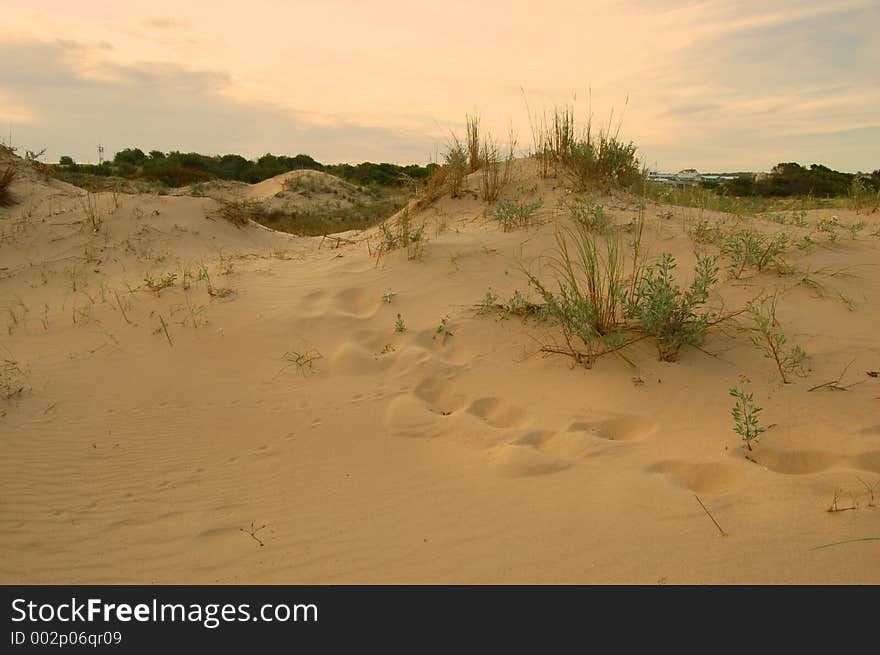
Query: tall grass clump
{"points": [[456, 167], [600, 161], [601, 307], [7, 177], [434, 187], [401, 234], [473, 142], [588, 303], [862, 197], [604, 162], [496, 167]]}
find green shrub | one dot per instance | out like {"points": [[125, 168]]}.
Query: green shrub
{"points": [[591, 215], [603, 163], [669, 313], [748, 248], [402, 234], [456, 167], [767, 337], [704, 232], [745, 416], [512, 215]]}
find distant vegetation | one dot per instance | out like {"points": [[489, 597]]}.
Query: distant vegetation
{"points": [[787, 186], [792, 179], [176, 169]]}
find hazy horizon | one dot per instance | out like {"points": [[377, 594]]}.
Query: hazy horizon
{"points": [[717, 86]]}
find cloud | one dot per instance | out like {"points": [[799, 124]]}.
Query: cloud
{"points": [[166, 24], [711, 83], [780, 89], [160, 105]]}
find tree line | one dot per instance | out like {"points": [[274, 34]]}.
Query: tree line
{"points": [[177, 169]]}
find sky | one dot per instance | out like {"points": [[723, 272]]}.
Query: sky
{"points": [[717, 85]]}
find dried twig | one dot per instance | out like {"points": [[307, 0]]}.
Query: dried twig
{"points": [[723, 533]]}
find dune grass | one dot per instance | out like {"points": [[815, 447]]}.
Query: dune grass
{"points": [[592, 160], [473, 142], [496, 167], [7, 177]]}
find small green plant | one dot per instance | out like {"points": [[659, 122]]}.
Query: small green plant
{"points": [[745, 416], [747, 248], [769, 339], [704, 232], [590, 214], [519, 305], [855, 228], [388, 296], [399, 325], [162, 283], [443, 329], [862, 197], [512, 215], [829, 225], [488, 303], [401, 234]]}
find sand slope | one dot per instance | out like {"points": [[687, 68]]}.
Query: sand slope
{"points": [[167, 436]]}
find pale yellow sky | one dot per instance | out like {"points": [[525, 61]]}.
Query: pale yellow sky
{"points": [[711, 84]]}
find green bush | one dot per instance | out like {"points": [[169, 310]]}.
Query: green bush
{"points": [[670, 314], [748, 248], [590, 214], [512, 215]]}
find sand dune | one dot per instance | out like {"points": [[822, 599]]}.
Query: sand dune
{"points": [[262, 420]]}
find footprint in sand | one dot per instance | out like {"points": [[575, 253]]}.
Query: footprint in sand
{"points": [[351, 358], [711, 478], [498, 413], [521, 460], [446, 347], [796, 462], [622, 428], [869, 461], [407, 416], [358, 302], [440, 396], [314, 304]]}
